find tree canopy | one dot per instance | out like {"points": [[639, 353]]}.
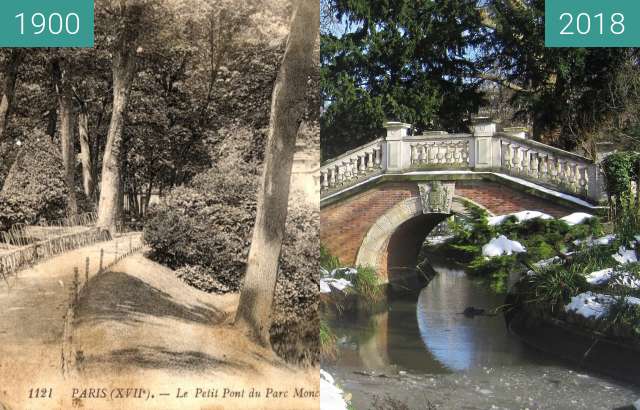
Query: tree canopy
{"points": [[431, 63]]}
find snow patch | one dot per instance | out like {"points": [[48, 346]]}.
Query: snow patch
{"points": [[576, 218], [625, 255], [590, 305], [600, 277], [502, 246], [604, 240], [330, 394], [438, 239], [604, 276], [326, 284], [520, 216], [595, 305], [546, 262]]}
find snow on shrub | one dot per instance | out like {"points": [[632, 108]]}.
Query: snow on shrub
{"points": [[502, 246], [595, 305], [520, 217], [576, 218]]}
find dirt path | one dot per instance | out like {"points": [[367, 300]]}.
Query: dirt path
{"points": [[144, 325], [32, 305], [136, 327]]}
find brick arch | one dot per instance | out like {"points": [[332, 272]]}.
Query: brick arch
{"points": [[373, 250], [346, 222]]}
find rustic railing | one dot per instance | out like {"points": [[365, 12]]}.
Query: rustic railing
{"points": [[484, 151], [26, 256]]}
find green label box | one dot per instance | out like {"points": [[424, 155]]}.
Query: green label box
{"points": [[592, 23], [46, 23]]}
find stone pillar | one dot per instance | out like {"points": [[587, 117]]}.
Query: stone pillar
{"points": [[484, 157], [595, 188], [396, 157]]}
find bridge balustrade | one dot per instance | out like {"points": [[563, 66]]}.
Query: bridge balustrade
{"points": [[485, 150]]}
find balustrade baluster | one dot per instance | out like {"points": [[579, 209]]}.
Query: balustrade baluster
{"points": [[464, 154], [515, 161], [361, 164], [574, 178], [582, 182], [526, 164], [457, 153], [447, 153], [535, 171], [553, 170], [439, 154], [563, 178], [506, 156]]}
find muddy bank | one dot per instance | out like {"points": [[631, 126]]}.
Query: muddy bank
{"points": [[551, 387]]}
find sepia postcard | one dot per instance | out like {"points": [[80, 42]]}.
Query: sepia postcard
{"points": [[159, 205], [480, 204]]}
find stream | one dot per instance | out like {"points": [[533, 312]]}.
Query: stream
{"points": [[422, 352]]}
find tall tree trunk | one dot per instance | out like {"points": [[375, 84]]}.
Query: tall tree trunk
{"points": [[10, 78], [85, 152], [287, 108], [67, 146], [55, 75], [147, 197], [124, 66]]}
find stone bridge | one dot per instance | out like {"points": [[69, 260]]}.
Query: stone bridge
{"points": [[378, 202]]}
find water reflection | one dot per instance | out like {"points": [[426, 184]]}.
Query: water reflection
{"points": [[426, 331], [457, 341]]}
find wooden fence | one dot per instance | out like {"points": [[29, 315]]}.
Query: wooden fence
{"points": [[31, 254], [23, 235], [72, 359]]}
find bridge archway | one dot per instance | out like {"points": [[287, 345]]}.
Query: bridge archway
{"points": [[392, 244]]}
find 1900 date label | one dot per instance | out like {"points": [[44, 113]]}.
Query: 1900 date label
{"points": [[47, 23]]}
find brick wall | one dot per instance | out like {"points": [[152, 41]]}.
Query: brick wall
{"points": [[343, 225]]}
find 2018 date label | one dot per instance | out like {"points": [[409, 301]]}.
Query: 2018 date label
{"points": [[592, 23]]}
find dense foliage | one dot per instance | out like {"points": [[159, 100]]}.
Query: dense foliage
{"points": [[433, 64], [622, 177], [402, 61], [35, 188], [204, 230], [201, 69], [542, 238], [553, 269]]}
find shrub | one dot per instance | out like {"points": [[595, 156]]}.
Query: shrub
{"points": [[552, 287], [623, 318], [34, 187], [207, 224], [294, 333], [204, 231], [497, 269], [367, 284], [327, 260]]}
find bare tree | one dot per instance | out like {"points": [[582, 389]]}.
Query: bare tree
{"points": [[65, 104], [124, 68], [85, 150], [287, 108]]}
